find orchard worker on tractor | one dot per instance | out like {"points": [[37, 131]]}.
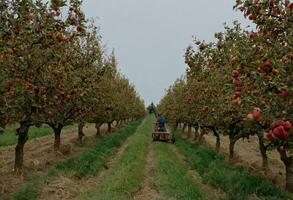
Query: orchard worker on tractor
{"points": [[161, 123]]}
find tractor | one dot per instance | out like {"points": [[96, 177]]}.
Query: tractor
{"points": [[162, 134]]}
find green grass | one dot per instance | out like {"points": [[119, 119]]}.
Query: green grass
{"points": [[123, 180], [171, 175], [89, 162], [9, 136], [31, 189], [96, 157], [236, 181]]}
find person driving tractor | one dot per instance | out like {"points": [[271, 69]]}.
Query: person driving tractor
{"points": [[161, 123]]}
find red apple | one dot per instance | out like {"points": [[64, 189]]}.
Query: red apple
{"points": [[287, 125], [252, 35], [255, 115], [252, 17], [79, 29], [237, 94], [9, 87], [50, 114], [285, 92], [271, 3], [281, 149], [279, 131], [238, 88], [60, 37], [267, 63], [273, 126], [37, 89]]}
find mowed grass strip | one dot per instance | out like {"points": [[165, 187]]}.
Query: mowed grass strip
{"points": [[91, 161], [236, 181], [95, 158], [171, 175], [123, 180]]}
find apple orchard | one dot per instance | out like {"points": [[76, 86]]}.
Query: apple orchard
{"points": [[54, 71], [242, 84]]}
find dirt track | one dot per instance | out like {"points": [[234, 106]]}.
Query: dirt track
{"points": [[39, 156], [147, 191]]}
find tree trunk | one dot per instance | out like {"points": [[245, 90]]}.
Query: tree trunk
{"points": [[80, 131], [22, 133], [263, 150], [200, 135], [109, 127], [57, 139], [2, 129], [98, 133], [289, 178], [184, 127], [218, 142], [189, 131], [231, 148], [288, 161], [176, 126], [200, 138], [196, 134]]}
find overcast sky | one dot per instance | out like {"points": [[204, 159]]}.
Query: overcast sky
{"points": [[150, 36]]}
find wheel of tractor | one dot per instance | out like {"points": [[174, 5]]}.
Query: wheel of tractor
{"points": [[173, 140]]}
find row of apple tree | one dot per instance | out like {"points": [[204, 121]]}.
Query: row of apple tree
{"points": [[54, 71], [241, 84]]}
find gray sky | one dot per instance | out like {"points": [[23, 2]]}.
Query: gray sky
{"points": [[150, 36]]}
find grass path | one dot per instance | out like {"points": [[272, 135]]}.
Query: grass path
{"points": [[147, 188], [123, 180], [175, 179]]}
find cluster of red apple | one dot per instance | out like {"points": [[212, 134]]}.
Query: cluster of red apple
{"points": [[253, 13], [266, 68], [238, 88], [74, 20], [285, 92], [281, 129], [56, 8], [255, 114]]}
